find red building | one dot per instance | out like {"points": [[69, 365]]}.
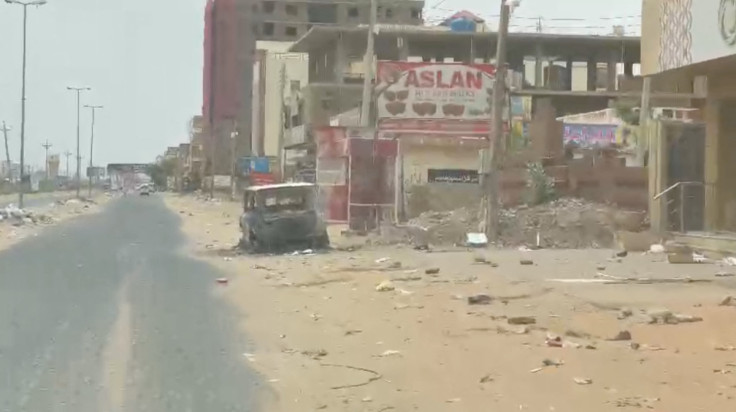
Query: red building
{"points": [[221, 80]]}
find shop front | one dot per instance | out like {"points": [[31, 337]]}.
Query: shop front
{"points": [[439, 115], [696, 41]]}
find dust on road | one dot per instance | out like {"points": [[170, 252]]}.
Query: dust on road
{"points": [[323, 331]]}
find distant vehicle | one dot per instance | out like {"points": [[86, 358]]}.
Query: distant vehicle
{"points": [[281, 216], [145, 189]]}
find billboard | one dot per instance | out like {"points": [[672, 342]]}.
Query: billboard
{"points": [[694, 32], [590, 135], [438, 97]]}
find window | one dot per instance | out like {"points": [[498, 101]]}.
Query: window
{"points": [[291, 10], [290, 31], [294, 86], [416, 13], [268, 6], [268, 29], [353, 12], [389, 13]]}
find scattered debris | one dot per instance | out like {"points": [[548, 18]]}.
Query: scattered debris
{"points": [[656, 248], [729, 348], [576, 334], [552, 362], [623, 335], [553, 341], [367, 399], [724, 275], [376, 376], [728, 301], [665, 317], [432, 271], [625, 313], [526, 262], [385, 286], [383, 259], [389, 353], [486, 379], [634, 345], [479, 300], [621, 253], [521, 320], [730, 261], [453, 400], [583, 381], [222, 281], [476, 239], [315, 354]]}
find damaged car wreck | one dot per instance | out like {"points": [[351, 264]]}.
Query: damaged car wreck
{"points": [[281, 217]]}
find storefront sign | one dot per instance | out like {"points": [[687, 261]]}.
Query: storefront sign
{"points": [[452, 176], [590, 135], [457, 91]]}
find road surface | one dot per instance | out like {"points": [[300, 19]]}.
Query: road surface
{"points": [[106, 314]]}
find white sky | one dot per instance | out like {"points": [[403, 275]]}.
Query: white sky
{"points": [[143, 59]]}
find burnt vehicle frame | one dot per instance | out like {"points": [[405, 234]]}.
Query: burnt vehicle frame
{"points": [[282, 217]]}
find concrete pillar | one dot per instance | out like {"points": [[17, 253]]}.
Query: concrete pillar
{"points": [[538, 73], [592, 73], [611, 70], [403, 47], [471, 54], [712, 117], [568, 73], [629, 69], [657, 169], [341, 60]]}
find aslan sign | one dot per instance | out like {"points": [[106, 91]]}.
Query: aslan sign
{"points": [[441, 91]]}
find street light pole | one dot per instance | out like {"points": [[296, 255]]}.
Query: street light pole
{"points": [[67, 154], [79, 91], [25, 4], [91, 145]]}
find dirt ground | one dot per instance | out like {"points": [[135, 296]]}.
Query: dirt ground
{"points": [[53, 213], [324, 338]]}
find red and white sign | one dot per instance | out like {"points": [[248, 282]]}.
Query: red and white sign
{"points": [[426, 93]]}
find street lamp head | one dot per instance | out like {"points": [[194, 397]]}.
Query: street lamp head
{"points": [[27, 3]]}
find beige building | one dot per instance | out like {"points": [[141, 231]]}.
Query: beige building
{"points": [[691, 45]]}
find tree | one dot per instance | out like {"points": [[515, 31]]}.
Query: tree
{"points": [[162, 170]]}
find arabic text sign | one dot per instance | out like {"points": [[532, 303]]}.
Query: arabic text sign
{"points": [[411, 90], [452, 176], [590, 135]]}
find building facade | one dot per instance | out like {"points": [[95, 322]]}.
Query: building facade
{"points": [[693, 44]]}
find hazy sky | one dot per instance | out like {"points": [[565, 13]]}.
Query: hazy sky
{"points": [[143, 59]]}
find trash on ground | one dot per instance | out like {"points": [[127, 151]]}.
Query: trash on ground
{"points": [[730, 261], [383, 260], [479, 300], [222, 281], [656, 248], [389, 353], [385, 286], [432, 271], [583, 381], [476, 239], [521, 320], [486, 379], [526, 262], [623, 335], [728, 301]]}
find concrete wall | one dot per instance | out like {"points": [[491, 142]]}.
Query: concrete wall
{"points": [[321, 101], [422, 196]]}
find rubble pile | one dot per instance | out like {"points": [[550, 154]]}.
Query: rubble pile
{"points": [[444, 227], [565, 223], [18, 217]]}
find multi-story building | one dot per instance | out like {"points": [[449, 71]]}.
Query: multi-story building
{"points": [[691, 45], [232, 28], [288, 20]]}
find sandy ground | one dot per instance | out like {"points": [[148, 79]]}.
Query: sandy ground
{"points": [[10, 235], [326, 339]]}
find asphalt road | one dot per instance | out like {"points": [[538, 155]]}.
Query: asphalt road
{"points": [[106, 314]]}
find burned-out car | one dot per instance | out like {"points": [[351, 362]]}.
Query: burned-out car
{"points": [[282, 216]]}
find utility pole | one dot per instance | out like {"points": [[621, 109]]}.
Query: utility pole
{"points": [[5, 130], [93, 109], [365, 109], [46, 147], [79, 91], [642, 142], [25, 4], [491, 167], [282, 125], [67, 154]]}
